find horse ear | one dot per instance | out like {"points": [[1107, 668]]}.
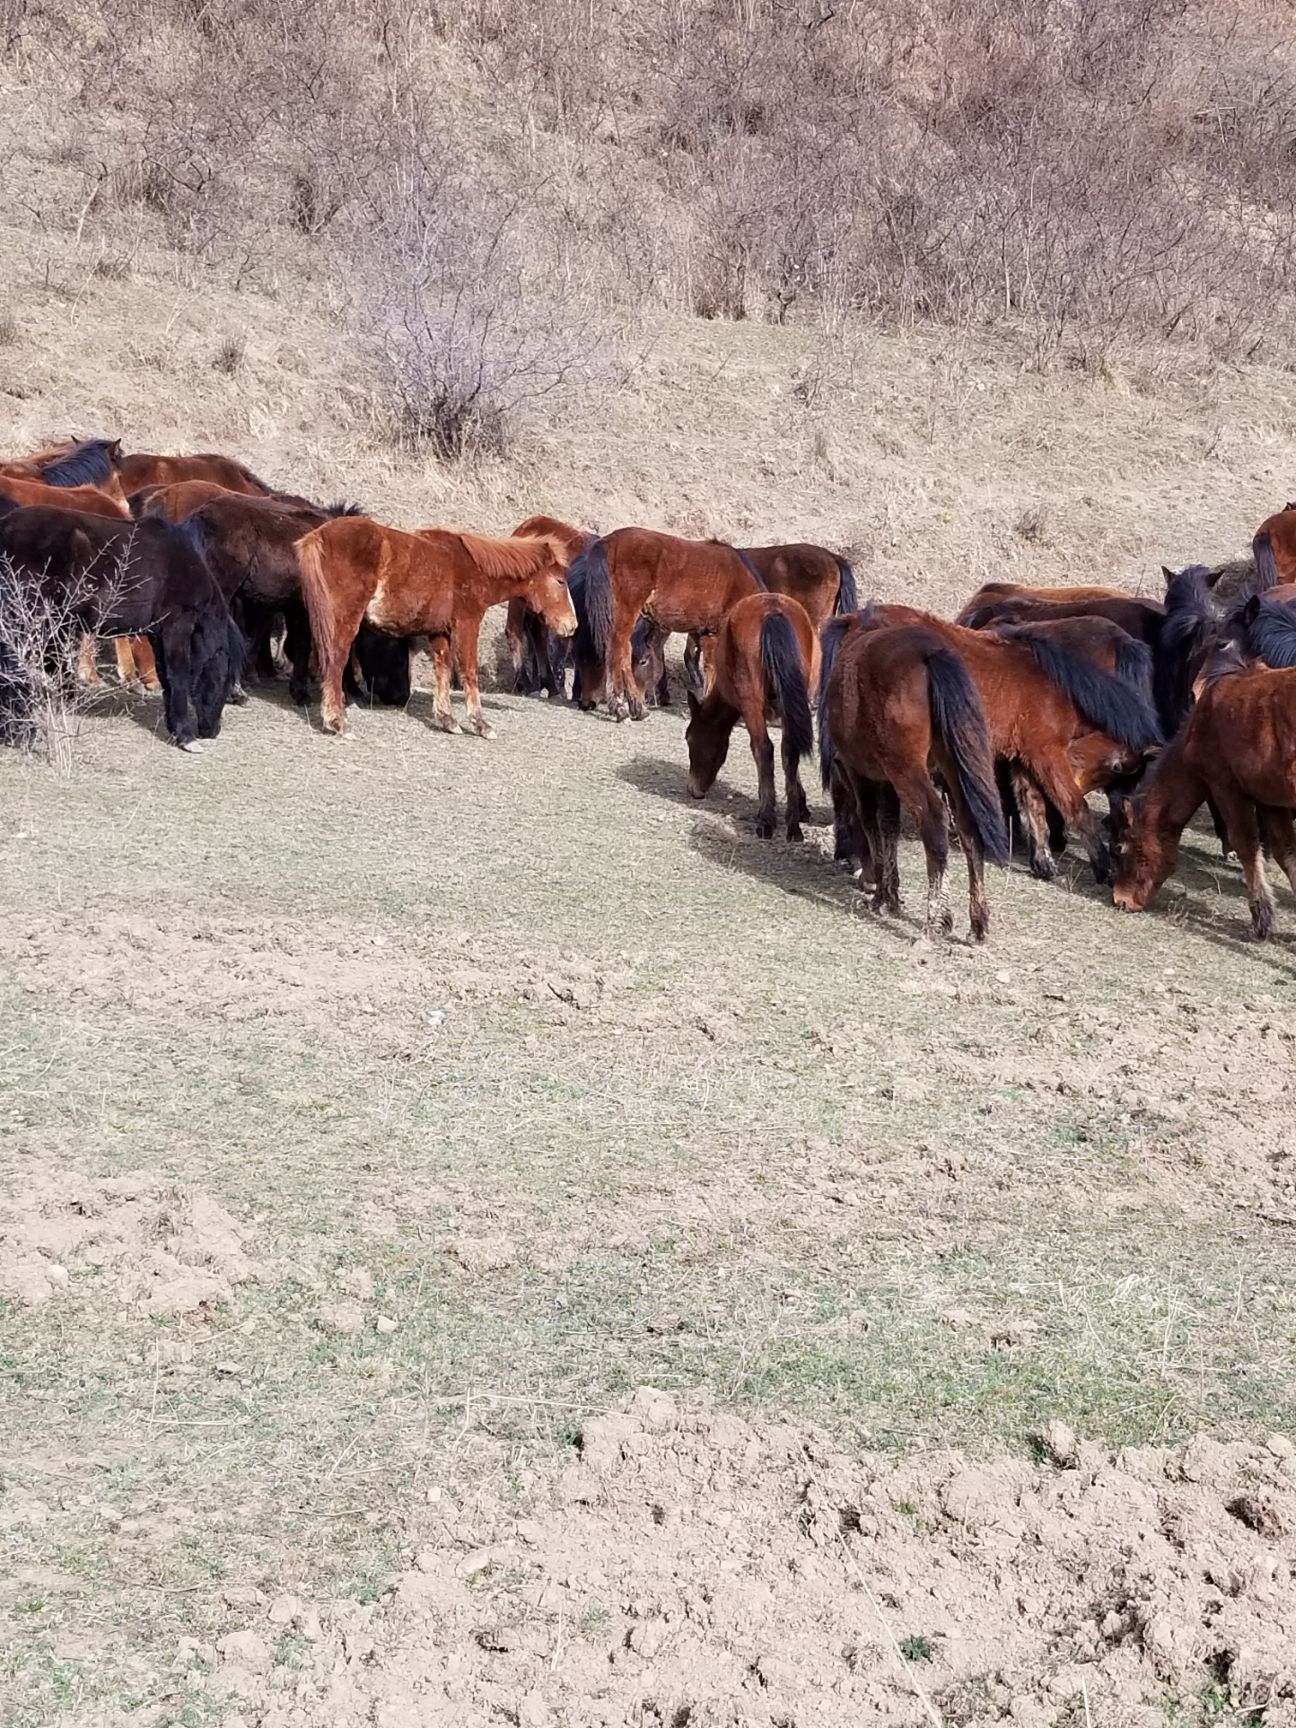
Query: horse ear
{"points": [[1169, 574], [1251, 611], [693, 703]]}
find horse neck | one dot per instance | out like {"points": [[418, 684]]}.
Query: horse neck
{"points": [[1175, 791]]}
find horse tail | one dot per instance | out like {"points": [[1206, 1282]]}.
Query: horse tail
{"points": [[1110, 704], [831, 636], [1270, 631], [959, 720], [592, 568], [847, 592], [314, 586], [785, 680], [1266, 575], [1134, 666]]}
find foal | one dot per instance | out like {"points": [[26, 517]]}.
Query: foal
{"points": [[766, 657], [433, 583]]}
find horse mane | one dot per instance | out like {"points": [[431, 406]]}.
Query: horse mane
{"points": [[515, 558], [1270, 631], [86, 464], [1189, 613], [342, 508]]}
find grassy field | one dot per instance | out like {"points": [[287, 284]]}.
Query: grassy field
{"points": [[583, 1087]]}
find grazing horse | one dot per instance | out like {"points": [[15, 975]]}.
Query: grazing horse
{"points": [[821, 581], [432, 583], [676, 584], [249, 544], [135, 578], [1238, 749], [897, 704], [141, 469], [990, 593], [766, 657], [539, 656], [1059, 720]]}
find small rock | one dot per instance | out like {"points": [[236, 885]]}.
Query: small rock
{"points": [[653, 1408], [477, 1254], [284, 1610], [343, 1317], [647, 1638], [311, 1626], [481, 1560], [243, 1596], [1059, 1441], [776, 1675], [246, 1650], [530, 1532], [386, 1325], [1277, 1444]]}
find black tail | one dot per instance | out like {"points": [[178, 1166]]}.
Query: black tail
{"points": [[847, 592], [785, 681], [85, 464], [1134, 667], [590, 569], [959, 720], [831, 636], [760, 580], [342, 508], [1266, 576], [1270, 631], [1108, 703]]}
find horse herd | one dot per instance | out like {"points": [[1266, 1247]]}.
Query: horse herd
{"points": [[1010, 715]]}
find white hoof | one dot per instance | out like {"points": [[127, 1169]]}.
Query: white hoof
{"points": [[192, 748]]}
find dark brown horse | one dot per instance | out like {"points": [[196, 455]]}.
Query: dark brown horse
{"points": [[1274, 546], [675, 584], [433, 583], [900, 707], [1238, 749], [249, 544], [990, 593], [1057, 720], [766, 658], [142, 468], [538, 656], [178, 499], [134, 578]]}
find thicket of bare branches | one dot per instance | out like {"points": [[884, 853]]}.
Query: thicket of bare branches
{"points": [[487, 179], [41, 703]]}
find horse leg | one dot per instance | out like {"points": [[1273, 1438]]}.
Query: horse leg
{"points": [[297, 646], [125, 661], [624, 696], [176, 658], [442, 714], [145, 666], [886, 834], [661, 683], [970, 840], [1227, 848], [1058, 782], [1280, 836], [466, 630], [339, 629], [517, 636], [762, 748], [798, 810], [693, 662], [1031, 810], [931, 816], [1243, 821], [87, 661]]}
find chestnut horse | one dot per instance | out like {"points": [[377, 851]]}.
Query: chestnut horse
{"points": [[766, 657], [991, 592], [821, 581], [1238, 749], [432, 583], [141, 469], [1274, 546], [92, 462], [899, 704], [676, 584], [1064, 725], [132, 578], [178, 499], [539, 656]]}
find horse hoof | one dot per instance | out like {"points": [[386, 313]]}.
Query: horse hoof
{"points": [[764, 830], [795, 836], [483, 729], [192, 748], [238, 696], [1042, 867]]}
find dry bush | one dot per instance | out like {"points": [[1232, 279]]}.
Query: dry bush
{"points": [[41, 704], [1093, 171], [230, 355]]}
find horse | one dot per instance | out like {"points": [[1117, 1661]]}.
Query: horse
{"points": [[539, 656], [124, 578], [899, 703], [676, 584], [434, 583], [1274, 548], [766, 657], [141, 468], [1064, 724], [990, 593], [821, 581], [1238, 749], [178, 498], [249, 544], [90, 462]]}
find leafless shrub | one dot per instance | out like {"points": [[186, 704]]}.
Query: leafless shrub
{"points": [[41, 703], [230, 355], [1032, 525], [113, 266]]}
